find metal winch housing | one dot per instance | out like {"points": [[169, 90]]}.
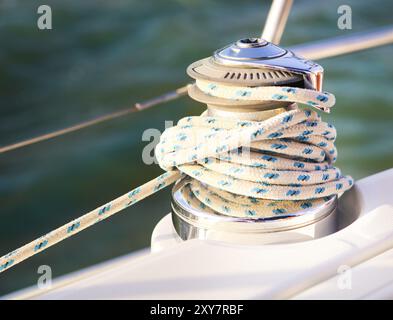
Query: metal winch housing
{"points": [[252, 62]]}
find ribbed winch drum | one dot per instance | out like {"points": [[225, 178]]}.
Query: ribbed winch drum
{"points": [[251, 63]]}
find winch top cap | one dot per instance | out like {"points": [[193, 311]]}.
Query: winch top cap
{"points": [[249, 49], [259, 53]]}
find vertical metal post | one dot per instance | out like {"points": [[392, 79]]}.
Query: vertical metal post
{"points": [[276, 20]]}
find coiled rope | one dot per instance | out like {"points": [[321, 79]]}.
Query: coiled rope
{"points": [[238, 168], [288, 161]]}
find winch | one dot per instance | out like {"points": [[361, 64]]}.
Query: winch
{"points": [[250, 63]]}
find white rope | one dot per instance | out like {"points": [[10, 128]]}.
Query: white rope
{"points": [[257, 168], [238, 168]]}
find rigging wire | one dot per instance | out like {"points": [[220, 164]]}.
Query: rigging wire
{"points": [[172, 95]]}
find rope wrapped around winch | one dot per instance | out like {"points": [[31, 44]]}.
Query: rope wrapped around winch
{"points": [[257, 168]]}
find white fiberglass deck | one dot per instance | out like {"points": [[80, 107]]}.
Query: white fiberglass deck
{"points": [[199, 269]]}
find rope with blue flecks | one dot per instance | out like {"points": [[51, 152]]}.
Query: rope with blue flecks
{"points": [[238, 168]]}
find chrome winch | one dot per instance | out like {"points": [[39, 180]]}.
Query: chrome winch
{"points": [[252, 62]]}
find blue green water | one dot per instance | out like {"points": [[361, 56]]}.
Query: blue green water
{"points": [[104, 55]]}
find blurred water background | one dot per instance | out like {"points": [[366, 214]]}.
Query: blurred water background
{"points": [[104, 55]]}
